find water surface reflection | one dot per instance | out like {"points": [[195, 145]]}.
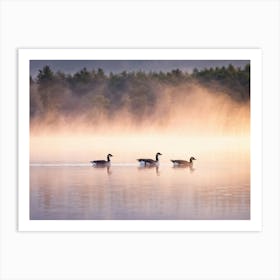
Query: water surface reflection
{"points": [[129, 192]]}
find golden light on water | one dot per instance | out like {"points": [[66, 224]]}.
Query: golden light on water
{"points": [[126, 148]]}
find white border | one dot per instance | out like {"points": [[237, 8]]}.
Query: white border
{"points": [[24, 57]]}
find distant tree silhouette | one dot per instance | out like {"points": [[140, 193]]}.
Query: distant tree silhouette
{"points": [[90, 92]]}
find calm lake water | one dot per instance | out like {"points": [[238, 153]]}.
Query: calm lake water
{"points": [[128, 192]]}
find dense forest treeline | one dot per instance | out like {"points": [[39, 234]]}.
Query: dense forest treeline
{"points": [[92, 92]]}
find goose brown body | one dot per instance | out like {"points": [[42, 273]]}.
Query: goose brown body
{"points": [[183, 162]]}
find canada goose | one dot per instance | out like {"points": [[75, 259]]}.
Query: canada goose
{"points": [[185, 163], [148, 161], [102, 162]]}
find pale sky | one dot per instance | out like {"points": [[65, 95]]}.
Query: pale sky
{"points": [[115, 66]]}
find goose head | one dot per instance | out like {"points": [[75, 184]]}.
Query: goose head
{"points": [[158, 154], [108, 157], [192, 158]]}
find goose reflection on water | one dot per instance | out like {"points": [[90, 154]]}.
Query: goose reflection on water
{"points": [[189, 167], [104, 166], [147, 167]]}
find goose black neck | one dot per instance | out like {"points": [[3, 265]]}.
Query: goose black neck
{"points": [[191, 160], [157, 157], [108, 158]]}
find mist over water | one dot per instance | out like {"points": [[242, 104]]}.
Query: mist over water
{"points": [[199, 123]]}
